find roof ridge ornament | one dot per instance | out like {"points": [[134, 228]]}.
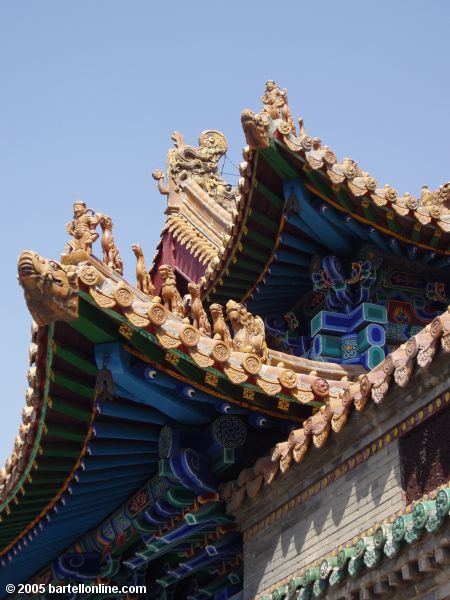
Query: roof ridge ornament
{"points": [[83, 229], [275, 115], [200, 164]]}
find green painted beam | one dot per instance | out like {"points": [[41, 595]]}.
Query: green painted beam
{"points": [[73, 433], [275, 200], [71, 384], [271, 225], [74, 359], [279, 164], [69, 408]]}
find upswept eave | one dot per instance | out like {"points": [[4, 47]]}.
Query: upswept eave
{"points": [[396, 369], [422, 223]]}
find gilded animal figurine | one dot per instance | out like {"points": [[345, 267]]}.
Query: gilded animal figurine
{"points": [[143, 279], [199, 317], [249, 331], [170, 295], [220, 328], [111, 255]]}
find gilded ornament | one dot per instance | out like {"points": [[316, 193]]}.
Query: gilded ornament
{"points": [[236, 376], [425, 355], [285, 461], [89, 275], [436, 328], [337, 423], [364, 385], [169, 292], [284, 128], [82, 229], [256, 129], [135, 318], [220, 328], [303, 396], [390, 194], [360, 402], [388, 364], [167, 340], [220, 351], [411, 347], [101, 299], [329, 157], [143, 280], [200, 359], [299, 451], [158, 314], [319, 439], [402, 374], [111, 255], [199, 164], [123, 296], [445, 343], [275, 104], [288, 379], [320, 387], [350, 168], [198, 314], [50, 289], [371, 184], [249, 331], [251, 364], [379, 392], [190, 336], [346, 396], [271, 388], [411, 202]]}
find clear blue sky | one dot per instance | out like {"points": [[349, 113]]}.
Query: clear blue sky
{"points": [[91, 91]]}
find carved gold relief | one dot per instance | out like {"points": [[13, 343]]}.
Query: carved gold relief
{"points": [[167, 340], [158, 314], [221, 351], [190, 336], [251, 364], [271, 388], [123, 296], [101, 299], [234, 375], [200, 359], [89, 275], [288, 379], [303, 396], [135, 318]]}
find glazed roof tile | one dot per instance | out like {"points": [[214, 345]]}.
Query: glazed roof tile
{"points": [[397, 369]]}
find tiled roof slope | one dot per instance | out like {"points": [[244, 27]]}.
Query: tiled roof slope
{"points": [[423, 222], [397, 368]]}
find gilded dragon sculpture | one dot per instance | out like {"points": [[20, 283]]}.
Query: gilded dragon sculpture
{"points": [[51, 289], [199, 163]]}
